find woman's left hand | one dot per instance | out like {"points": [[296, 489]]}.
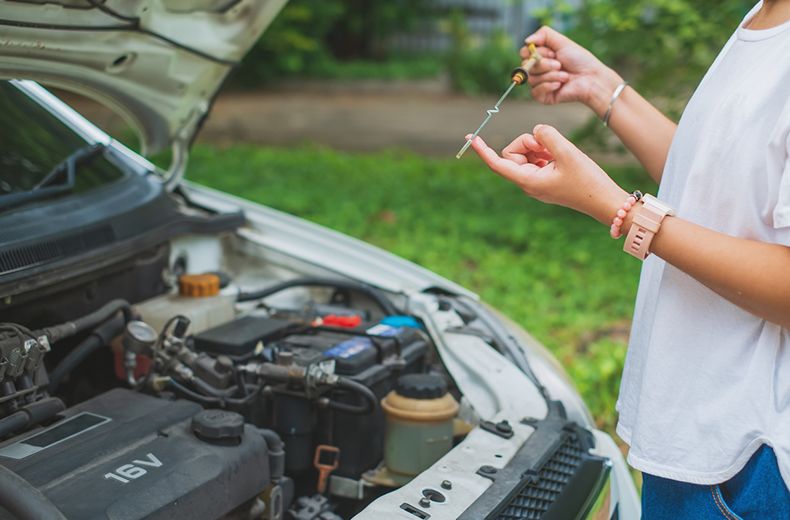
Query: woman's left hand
{"points": [[551, 169]]}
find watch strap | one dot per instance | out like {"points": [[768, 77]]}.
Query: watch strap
{"points": [[647, 221]]}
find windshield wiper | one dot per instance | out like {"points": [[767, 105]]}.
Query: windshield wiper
{"points": [[46, 187]]}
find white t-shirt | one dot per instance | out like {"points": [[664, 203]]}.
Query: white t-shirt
{"points": [[705, 382]]}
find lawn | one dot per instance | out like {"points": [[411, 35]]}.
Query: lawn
{"points": [[555, 272]]}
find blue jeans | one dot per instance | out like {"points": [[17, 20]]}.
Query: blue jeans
{"points": [[756, 492]]}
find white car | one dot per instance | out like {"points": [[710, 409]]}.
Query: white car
{"points": [[171, 351]]}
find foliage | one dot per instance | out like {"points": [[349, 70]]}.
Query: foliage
{"points": [[476, 65], [366, 24], [315, 39], [291, 44], [398, 67], [548, 268], [663, 46]]}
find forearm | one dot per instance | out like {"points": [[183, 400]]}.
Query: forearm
{"points": [[748, 273], [641, 127]]}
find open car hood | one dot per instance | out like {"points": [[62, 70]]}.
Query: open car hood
{"points": [[158, 63]]}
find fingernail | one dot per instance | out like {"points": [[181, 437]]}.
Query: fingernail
{"points": [[468, 136], [536, 129]]}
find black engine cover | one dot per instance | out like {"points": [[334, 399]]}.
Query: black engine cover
{"points": [[123, 455]]}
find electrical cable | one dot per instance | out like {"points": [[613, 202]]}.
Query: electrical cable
{"points": [[374, 294]]}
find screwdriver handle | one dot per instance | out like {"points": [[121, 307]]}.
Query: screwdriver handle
{"points": [[520, 74]]}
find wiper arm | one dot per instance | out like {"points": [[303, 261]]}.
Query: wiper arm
{"points": [[70, 163], [44, 187]]}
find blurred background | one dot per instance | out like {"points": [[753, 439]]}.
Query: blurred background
{"points": [[349, 113]]}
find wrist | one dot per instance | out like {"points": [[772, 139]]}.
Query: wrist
{"points": [[601, 89], [610, 203]]}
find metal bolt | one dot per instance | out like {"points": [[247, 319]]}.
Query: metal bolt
{"points": [[488, 470], [446, 484], [504, 427], [425, 502]]}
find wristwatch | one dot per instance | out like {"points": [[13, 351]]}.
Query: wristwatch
{"points": [[645, 225]]}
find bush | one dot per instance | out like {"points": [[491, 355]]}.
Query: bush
{"points": [[477, 65], [315, 38], [663, 46]]}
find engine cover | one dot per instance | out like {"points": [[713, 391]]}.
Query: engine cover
{"points": [[124, 455]]}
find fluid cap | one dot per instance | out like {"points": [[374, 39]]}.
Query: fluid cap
{"points": [[421, 386], [198, 285], [218, 425]]}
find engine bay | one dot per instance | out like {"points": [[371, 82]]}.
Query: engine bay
{"points": [[306, 398]]}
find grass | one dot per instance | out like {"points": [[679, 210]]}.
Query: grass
{"points": [[406, 67], [555, 272]]}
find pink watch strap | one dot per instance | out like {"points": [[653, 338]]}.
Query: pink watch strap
{"points": [[644, 227]]}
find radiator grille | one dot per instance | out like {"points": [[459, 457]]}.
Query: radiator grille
{"points": [[537, 496]]}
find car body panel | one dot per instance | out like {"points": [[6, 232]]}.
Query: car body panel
{"points": [[158, 63]]}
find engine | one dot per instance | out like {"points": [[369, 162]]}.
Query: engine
{"points": [[221, 406]]}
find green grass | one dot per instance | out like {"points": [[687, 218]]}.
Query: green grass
{"points": [[554, 271], [394, 68]]}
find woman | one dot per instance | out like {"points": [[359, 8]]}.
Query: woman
{"points": [[705, 397]]}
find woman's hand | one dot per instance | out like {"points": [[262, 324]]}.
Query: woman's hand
{"points": [[551, 169], [568, 72]]}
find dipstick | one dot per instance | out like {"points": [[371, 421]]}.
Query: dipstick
{"points": [[518, 77]]}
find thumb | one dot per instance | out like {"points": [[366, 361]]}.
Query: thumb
{"points": [[548, 37], [553, 141]]}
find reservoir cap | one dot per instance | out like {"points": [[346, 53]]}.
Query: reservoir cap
{"points": [[421, 386]]}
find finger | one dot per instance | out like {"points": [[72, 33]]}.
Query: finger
{"points": [[543, 66], [548, 37], [544, 52], [551, 76], [553, 140], [545, 91], [505, 168], [518, 149]]}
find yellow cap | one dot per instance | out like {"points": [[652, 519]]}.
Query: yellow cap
{"points": [[198, 285]]}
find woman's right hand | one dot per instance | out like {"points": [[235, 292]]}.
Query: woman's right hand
{"points": [[568, 72]]}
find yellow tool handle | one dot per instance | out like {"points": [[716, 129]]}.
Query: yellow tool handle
{"points": [[520, 74]]}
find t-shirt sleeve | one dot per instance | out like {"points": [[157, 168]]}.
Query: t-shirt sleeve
{"points": [[781, 214]]}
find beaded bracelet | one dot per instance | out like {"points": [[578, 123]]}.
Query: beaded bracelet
{"points": [[617, 222]]}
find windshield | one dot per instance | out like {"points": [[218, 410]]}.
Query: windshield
{"points": [[34, 144]]}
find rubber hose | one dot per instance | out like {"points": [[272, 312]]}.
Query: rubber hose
{"points": [[13, 423], [186, 393], [276, 454], [31, 415], [98, 338], [89, 321], [371, 402], [377, 296], [23, 501]]}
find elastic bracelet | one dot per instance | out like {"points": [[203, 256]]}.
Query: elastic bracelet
{"points": [[615, 231], [615, 95]]}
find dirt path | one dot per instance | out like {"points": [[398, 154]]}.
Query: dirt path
{"points": [[427, 123], [422, 120]]}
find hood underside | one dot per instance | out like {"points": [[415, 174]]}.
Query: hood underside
{"points": [[158, 63]]}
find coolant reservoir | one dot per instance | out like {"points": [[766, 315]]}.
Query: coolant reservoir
{"points": [[199, 299], [419, 428]]}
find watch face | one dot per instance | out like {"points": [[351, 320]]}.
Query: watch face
{"points": [[650, 200]]}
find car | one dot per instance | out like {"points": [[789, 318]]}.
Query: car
{"points": [[171, 351]]}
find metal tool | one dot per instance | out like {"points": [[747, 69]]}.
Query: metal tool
{"points": [[518, 77]]}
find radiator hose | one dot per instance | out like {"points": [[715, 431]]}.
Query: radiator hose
{"points": [[20, 498]]}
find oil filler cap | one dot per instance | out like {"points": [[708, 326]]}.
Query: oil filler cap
{"points": [[218, 426], [421, 386]]}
